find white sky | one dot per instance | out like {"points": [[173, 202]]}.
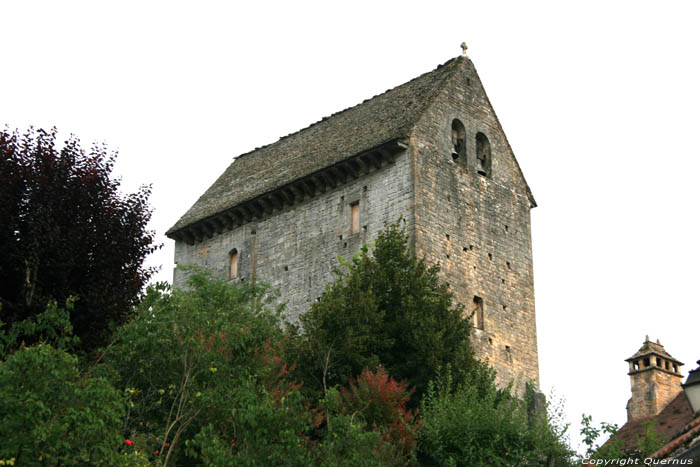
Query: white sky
{"points": [[599, 101]]}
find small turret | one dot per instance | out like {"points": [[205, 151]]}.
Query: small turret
{"points": [[655, 378]]}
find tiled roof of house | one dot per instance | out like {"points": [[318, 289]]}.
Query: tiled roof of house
{"points": [[668, 423], [381, 119], [684, 445]]}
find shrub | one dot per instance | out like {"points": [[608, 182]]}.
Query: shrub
{"points": [[53, 414]]}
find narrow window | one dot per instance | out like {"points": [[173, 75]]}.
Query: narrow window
{"points": [[478, 313], [355, 217], [636, 364], [675, 368], [667, 367], [658, 362], [646, 362], [459, 146], [233, 264], [483, 155]]}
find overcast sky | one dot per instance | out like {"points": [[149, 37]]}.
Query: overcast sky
{"points": [[599, 101]]}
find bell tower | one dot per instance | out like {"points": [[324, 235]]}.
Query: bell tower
{"points": [[655, 378]]}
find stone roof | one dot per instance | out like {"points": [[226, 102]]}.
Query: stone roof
{"points": [[386, 117], [655, 348]]}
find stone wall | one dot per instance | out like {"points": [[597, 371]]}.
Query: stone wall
{"points": [[478, 227], [652, 390], [298, 247]]}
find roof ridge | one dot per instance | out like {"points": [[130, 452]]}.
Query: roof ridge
{"points": [[327, 117]]}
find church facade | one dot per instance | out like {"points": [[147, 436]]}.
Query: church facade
{"points": [[431, 151]]}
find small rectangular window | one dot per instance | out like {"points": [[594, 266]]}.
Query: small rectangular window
{"points": [[355, 217], [233, 265], [478, 313]]}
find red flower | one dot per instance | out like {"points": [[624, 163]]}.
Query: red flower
{"points": [[155, 452], [128, 442]]}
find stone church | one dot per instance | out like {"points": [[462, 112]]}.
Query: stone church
{"points": [[431, 151]]}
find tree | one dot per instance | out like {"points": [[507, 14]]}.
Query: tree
{"points": [[53, 415], [610, 449], [65, 230], [646, 443], [484, 426], [387, 308], [208, 384], [205, 360]]}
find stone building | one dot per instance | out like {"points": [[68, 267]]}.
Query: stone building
{"points": [[661, 400], [655, 379], [431, 151]]}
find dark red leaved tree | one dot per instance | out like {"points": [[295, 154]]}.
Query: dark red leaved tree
{"points": [[66, 230]]}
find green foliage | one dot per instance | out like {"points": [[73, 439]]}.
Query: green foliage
{"points": [[483, 426], [53, 415], [259, 431], [52, 327], [348, 444], [387, 308], [611, 449], [207, 383], [196, 357], [202, 376], [648, 442]]}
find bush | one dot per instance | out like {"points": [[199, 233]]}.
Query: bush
{"points": [[483, 426], [202, 359], [53, 415], [380, 401]]}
